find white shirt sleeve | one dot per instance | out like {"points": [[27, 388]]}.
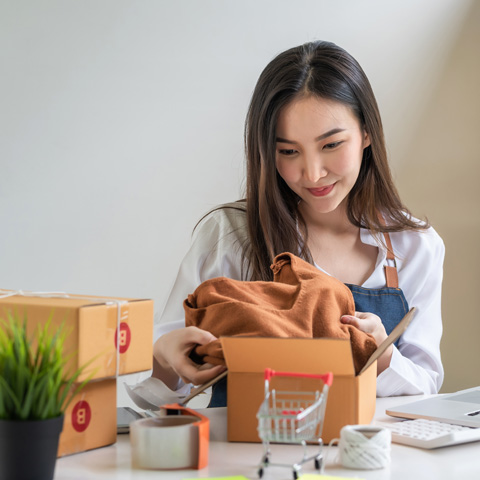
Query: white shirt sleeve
{"points": [[215, 252], [416, 366]]}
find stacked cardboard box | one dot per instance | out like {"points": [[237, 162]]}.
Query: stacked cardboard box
{"points": [[114, 335]]}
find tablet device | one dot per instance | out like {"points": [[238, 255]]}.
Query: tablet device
{"points": [[459, 408], [125, 416]]}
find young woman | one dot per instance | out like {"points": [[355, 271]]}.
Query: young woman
{"points": [[319, 186]]}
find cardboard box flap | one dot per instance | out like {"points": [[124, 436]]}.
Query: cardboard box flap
{"points": [[58, 300], [50, 302], [392, 338], [306, 355]]}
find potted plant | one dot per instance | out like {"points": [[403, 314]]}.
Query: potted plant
{"points": [[35, 390]]}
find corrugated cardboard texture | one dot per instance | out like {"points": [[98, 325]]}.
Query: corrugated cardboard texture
{"points": [[90, 419], [335, 354], [91, 326], [351, 399], [366, 384]]}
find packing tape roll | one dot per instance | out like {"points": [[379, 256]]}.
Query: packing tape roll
{"points": [[364, 447], [176, 440]]}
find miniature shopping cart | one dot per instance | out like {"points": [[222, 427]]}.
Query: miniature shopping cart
{"points": [[294, 418]]}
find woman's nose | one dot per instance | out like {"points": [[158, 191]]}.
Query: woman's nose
{"points": [[314, 169]]}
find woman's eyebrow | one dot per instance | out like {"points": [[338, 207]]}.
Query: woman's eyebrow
{"points": [[320, 137]]}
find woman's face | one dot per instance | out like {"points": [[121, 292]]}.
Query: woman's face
{"points": [[319, 149]]}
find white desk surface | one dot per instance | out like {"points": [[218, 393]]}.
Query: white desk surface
{"points": [[230, 459]]}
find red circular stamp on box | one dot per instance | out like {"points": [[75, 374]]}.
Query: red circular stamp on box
{"points": [[81, 416], [124, 337]]}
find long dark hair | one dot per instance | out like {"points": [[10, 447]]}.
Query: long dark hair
{"points": [[327, 71]]}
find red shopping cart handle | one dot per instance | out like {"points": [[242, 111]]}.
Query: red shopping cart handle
{"points": [[327, 378]]}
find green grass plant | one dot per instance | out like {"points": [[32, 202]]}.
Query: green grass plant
{"points": [[34, 384]]}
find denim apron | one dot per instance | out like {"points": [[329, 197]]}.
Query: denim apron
{"points": [[389, 303]]}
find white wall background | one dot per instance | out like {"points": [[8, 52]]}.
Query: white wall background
{"points": [[121, 122]]}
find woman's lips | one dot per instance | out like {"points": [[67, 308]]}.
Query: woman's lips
{"points": [[321, 192]]}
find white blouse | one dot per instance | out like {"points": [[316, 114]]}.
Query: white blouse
{"points": [[416, 365]]}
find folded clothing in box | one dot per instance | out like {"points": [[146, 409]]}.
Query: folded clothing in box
{"points": [[301, 302]]}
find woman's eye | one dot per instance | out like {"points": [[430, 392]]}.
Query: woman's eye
{"points": [[330, 146], [287, 152]]}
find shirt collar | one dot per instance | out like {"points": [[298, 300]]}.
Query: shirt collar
{"points": [[368, 238]]}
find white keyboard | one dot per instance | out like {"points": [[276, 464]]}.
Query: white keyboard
{"points": [[430, 434]]}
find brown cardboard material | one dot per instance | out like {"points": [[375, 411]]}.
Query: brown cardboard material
{"points": [[91, 327], [351, 399], [392, 338], [90, 419]]}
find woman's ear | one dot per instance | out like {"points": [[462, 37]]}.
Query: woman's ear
{"points": [[366, 139]]}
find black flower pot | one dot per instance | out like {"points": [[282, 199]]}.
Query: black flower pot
{"points": [[28, 448]]}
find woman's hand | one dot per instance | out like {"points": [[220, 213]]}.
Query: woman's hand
{"points": [[170, 353], [372, 324]]}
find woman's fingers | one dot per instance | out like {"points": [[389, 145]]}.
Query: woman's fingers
{"points": [[200, 374], [372, 324], [350, 320], [368, 323], [171, 353], [189, 336], [179, 349]]}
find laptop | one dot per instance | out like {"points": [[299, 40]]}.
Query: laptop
{"points": [[460, 408]]}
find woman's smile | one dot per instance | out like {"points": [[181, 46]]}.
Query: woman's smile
{"points": [[321, 191]]}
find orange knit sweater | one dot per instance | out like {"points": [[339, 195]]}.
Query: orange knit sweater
{"points": [[301, 302]]}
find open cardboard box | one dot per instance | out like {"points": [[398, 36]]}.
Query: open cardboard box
{"points": [[91, 328], [351, 399]]}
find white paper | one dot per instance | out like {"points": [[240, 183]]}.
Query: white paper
{"points": [[152, 393]]}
